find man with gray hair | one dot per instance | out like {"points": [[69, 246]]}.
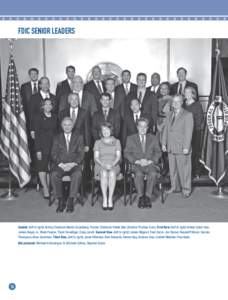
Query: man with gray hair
{"points": [[96, 86], [86, 99], [66, 157], [143, 152], [176, 140]]}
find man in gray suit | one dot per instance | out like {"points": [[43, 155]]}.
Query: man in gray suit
{"points": [[176, 139], [86, 99], [143, 152]]}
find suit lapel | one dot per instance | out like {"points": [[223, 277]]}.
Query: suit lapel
{"points": [[63, 140], [133, 120], [148, 139], [137, 139], [145, 96], [78, 118], [177, 117], [72, 139]]}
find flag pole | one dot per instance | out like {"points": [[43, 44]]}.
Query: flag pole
{"points": [[219, 193], [9, 195]]}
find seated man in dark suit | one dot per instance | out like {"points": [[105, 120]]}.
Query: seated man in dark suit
{"points": [[64, 86], [79, 117], [66, 156], [96, 86], [105, 114], [148, 100], [86, 99], [178, 87], [131, 118], [123, 89], [37, 101], [155, 84], [143, 151]]}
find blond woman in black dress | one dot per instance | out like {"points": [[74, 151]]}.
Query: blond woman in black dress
{"points": [[45, 129]]}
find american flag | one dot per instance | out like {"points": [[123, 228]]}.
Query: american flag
{"points": [[13, 140]]}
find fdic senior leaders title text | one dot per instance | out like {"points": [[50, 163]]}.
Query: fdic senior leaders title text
{"points": [[46, 30]]}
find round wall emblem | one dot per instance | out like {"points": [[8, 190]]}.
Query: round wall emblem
{"points": [[109, 70], [217, 118]]}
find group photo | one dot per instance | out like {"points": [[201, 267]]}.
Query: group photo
{"points": [[114, 130]]}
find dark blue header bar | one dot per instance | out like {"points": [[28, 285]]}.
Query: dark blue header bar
{"points": [[114, 8]]}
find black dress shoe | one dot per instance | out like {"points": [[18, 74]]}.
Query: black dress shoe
{"points": [[141, 203], [61, 205], [70, 205], [110, 207], [104, 207], [148, 202]]}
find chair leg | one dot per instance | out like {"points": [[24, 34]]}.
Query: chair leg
{"points": [[82, 195], [125, 196], [162, 193], [131, 187], [92, 193]]}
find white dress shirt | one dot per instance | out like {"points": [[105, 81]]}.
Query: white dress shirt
{"points": [[99, 84], [34, 83], [76, 112], [45, 95], [137, 114], [182, 84], [154, 88]]}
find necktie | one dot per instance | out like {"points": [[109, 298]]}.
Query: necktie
{"points": [[173, 118], [105, 114], [68, 141], [136, 119], [180, 89], [112, 100], [79, 100], [99, 86], [140, 96], [73, 116], [143, 142], [126, 89], [34, 88]]}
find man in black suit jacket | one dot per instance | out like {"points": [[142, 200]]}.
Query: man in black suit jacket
{"points": [[155, 84], [116, 102], [28, 89], [131, 118], [86, 99], [178, 87], [79, 117], [37, 101], [64, 87], [66, 157], [123, 89], [105, 114], [148, 100], [96, 86], [143, 152]]}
